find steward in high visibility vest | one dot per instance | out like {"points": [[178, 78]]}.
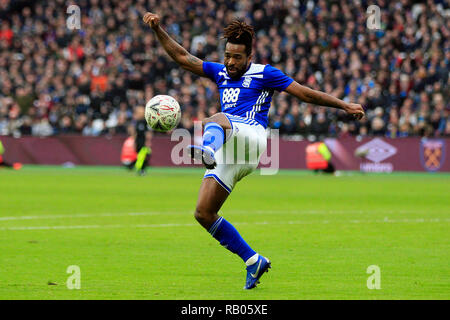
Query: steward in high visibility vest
{"points": [[128, 155], [318, 157]]}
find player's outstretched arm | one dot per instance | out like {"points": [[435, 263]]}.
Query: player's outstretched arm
{"points": [[179, 54], [323, 99]]}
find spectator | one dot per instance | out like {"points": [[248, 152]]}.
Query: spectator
{"points": [[87, 81]]}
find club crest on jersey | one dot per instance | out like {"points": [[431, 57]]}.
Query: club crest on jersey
{"points": [[246, 82]]}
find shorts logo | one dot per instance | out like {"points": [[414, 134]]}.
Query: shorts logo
{"points": [[432, 154]]}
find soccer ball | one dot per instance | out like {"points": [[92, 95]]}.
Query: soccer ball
{"points": [[162, 113]]}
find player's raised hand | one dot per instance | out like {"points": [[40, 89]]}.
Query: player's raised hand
{"points": [[356, 110], [151, 19]]}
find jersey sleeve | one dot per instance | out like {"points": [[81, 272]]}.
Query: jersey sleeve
{"points": [[275, 79], [211, 69]]}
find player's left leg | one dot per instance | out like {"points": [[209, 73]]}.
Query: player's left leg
{"points": [[211, 197]]}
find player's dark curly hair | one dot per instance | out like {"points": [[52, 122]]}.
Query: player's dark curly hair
{"points": [[238, 32]]}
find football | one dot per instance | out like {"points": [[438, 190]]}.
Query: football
{"points": [[162, 113]]}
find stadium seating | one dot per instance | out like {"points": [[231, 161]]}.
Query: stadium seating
{"points": [[59, 81]]}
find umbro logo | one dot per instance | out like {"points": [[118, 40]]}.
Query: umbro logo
{"points": [[377, 150]]}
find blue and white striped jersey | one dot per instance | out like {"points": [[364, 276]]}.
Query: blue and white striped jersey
{"points": [[251, 95]]}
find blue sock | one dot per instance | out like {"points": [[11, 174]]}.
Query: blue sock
{"points": [[229, 237], [213, 136]]}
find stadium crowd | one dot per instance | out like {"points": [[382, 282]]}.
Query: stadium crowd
{"points": [[54, 80]]}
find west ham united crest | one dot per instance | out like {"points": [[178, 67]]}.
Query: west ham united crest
{"points": [[432, 154]]}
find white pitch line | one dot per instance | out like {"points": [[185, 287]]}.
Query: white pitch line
{"points": [[151, 213], [166, 225], [84, 215]]}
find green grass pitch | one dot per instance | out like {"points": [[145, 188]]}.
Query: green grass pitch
{"points": [[136, 238]]}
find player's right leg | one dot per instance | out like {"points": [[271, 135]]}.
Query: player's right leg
{"points": [[215, 130]]}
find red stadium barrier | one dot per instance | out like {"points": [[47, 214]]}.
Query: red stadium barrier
{"points": [[382, 154]]}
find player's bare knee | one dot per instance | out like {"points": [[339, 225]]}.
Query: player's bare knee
{"points": [[218, 118], [204, 217], [205, 121], [210, 119], [201, 215], [198, 213]]}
